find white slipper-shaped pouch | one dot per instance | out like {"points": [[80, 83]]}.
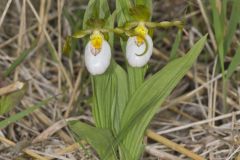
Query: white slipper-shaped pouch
{"points": [[97, 54], [134, 52]]}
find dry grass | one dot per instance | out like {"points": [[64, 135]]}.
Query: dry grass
{"points": [[191, 118]]}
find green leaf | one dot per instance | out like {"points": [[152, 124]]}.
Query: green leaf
{"points": [[95, 10], [7, 102], [232, 26], [224, 11], [123, 7], [24, 113], [98, 138], [109, 89], [234, 63], [176, 44], [217, 22], [110, 94], [135, 77], [123, 17], [122, 95], [91, 11], [104, 9], [149, 96], [52, 51], [110, 25]]}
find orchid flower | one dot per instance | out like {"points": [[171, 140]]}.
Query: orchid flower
{"points": [[97, 54], [139, 48]]}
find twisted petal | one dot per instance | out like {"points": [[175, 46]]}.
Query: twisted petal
{"points": [[97, 64], [133, 51]]}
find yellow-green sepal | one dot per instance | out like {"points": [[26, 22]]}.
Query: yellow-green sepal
{"points": [[95, 23], [81, 33], [67, 46], [140, 13]]}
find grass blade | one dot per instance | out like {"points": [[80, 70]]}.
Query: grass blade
{"points": [[19, 60], [24, 113], [173, 53], [217, 21], [234, 63], [7, 102], [232, 26]]}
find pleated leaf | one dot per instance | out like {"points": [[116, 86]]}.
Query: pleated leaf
{"points": [[96, 10], [98, 138], [149, 96], [110, 94]]}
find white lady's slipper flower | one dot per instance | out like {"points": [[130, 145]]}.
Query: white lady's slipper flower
{"points": [[97, 54], [136, 47]]}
